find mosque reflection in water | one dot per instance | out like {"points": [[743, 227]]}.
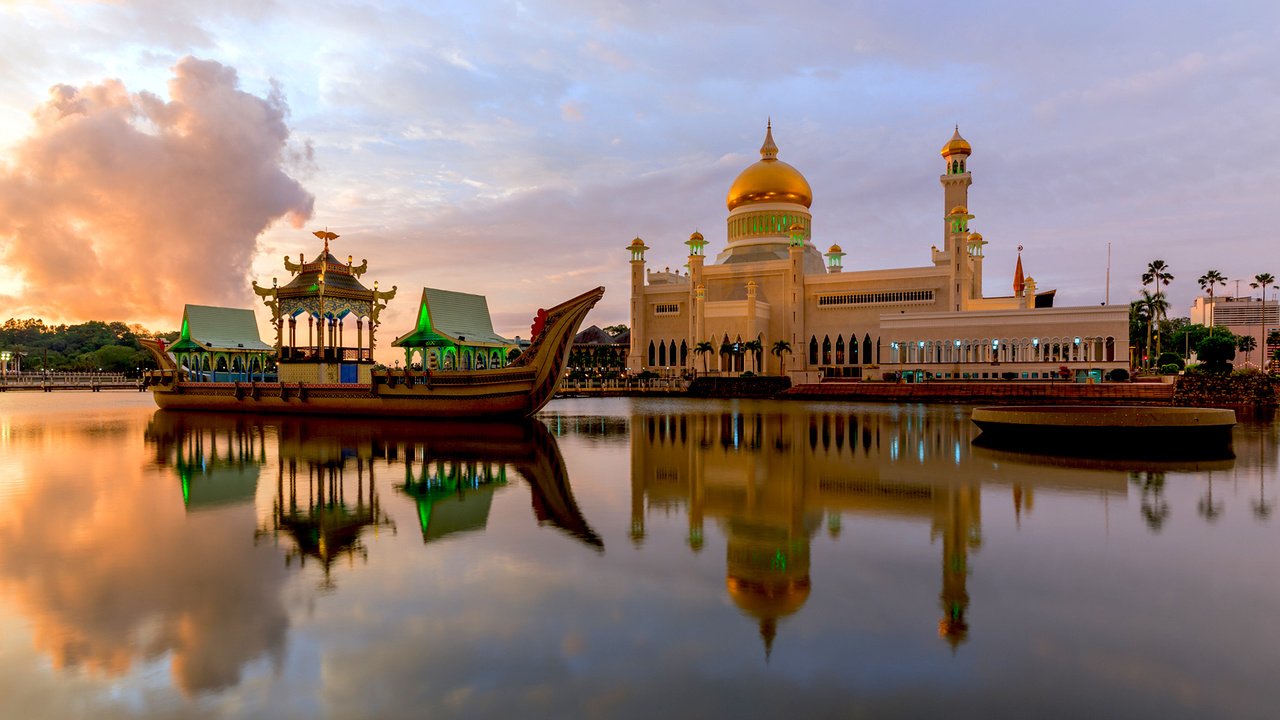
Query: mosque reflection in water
{"points": [[771, 481]]}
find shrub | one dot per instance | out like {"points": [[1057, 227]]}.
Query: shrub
{"points": [[1170, 358], [748, 373], [1118, 375], [1216, 353], [1169, 369], [891, 377]]}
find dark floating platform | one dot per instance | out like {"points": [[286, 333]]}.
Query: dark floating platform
{"points": [[1100, 431]]}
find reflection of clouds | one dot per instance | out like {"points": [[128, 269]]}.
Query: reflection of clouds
{"points": [[110, 569]]}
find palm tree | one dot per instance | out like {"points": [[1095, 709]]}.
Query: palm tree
{"points": [[1207, 282], [755, 347], [1158, 273], [1262, 280], [704, 349], [1151, 307], [1246, 344], [779, 347]]}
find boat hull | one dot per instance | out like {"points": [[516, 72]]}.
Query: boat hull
{"points": [[357, 400], [1172, 432]]}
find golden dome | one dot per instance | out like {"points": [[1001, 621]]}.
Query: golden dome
{"points": [[956, 145], [959, 210], [975, 237], [775, 599], [696, 236], [834, 249], [769, 180], [636, 243]]}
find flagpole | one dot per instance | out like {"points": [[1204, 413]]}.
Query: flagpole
{"points": [[1108, 297]]}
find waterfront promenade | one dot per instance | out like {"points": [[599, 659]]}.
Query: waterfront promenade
{"points": [[49, 382]]}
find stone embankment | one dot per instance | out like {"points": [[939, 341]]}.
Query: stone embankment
{"points": [[763, 386], [1001, 393], [1227, 390]]}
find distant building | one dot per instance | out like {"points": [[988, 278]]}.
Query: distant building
{"points": [[594, 349], [771, 283], [1242, 316]]}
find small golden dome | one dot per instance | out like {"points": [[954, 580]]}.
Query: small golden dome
{"points": [[636, 243], [959, 210], [769, 180], [834, 249], [774, 599], [695, 237], [975, 237], [956, 145]]}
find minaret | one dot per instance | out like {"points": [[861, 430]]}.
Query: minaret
{"points": [[795, 294], [697, 293], [635, 355], [955, 196], [834, 257], [955, 177]]}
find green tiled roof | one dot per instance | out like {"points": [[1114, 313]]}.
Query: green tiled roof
{"points": [[219, 328], [445, 316]]}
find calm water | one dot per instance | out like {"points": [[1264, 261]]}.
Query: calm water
{"points": [[622, 559]]}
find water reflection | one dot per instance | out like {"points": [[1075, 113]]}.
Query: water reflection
{"points": [[326, 497], [769, 480]]}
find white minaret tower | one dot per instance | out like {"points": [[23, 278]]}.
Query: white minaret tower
{"points": [[635, 355]]}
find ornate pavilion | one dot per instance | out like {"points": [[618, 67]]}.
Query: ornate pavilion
{"points": [[329, 294]]}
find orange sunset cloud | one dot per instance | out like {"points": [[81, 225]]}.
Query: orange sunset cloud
{"points": [[124, 205]]}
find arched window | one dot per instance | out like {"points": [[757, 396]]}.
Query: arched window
{"points": [[662, 353], [684, 353], [813, 350], [671, 353], [853, 348], [653, 354], [839, 349], [826, 350], [867, 357]]}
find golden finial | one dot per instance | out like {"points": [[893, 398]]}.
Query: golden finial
{"points": [[326, 236], [769, 151]]}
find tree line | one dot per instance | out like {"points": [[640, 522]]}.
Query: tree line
{"points": [[86, 347], [1214, 347]]}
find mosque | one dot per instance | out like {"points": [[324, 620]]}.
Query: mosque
{"points": [[771, 283]]}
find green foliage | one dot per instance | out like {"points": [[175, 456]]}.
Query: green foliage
{"points": [[1216, 352], [1170, 358], [1246, 343], [113, 346], [616, 330], [1169, 369], [1118, 375]]}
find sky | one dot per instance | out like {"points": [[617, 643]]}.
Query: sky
{"points": [[156, 153]]}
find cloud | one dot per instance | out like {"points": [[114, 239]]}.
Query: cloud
{"points": [[121, 205]]}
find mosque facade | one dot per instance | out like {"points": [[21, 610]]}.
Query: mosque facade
{"points": [[772, 284]]}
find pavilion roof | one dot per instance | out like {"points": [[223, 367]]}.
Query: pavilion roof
{"points": [[219, 328], [448, 317], [594, 335], [337, 277]]}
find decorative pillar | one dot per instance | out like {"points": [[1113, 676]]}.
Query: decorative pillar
{"points": [[360, 335]]}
